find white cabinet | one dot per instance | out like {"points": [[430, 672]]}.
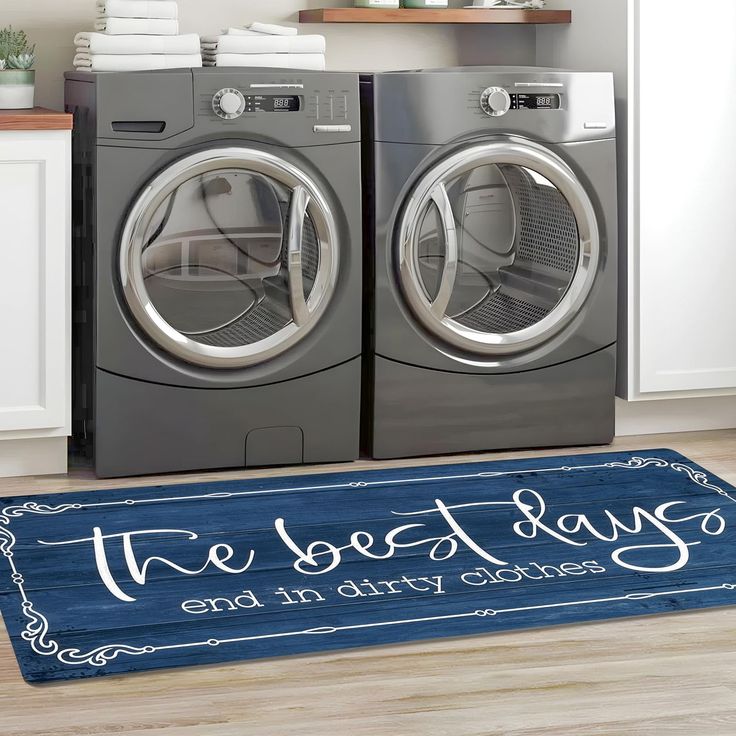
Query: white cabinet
{"points": [[34, 298], [675, 79], [684, 243]]}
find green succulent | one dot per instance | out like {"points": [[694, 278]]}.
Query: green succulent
{"points": [[21, 61], [15, 49]]}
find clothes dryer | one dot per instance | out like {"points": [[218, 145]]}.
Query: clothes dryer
{"points": [[492, 234]]}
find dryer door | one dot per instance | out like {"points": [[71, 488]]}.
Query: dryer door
{"points": [[498, 248], [229, 257]]}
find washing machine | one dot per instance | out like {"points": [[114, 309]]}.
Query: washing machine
{"points": [[217, 268], [491, 224]]}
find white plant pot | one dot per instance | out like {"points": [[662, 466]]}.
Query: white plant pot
{"points": [[17, 89]]}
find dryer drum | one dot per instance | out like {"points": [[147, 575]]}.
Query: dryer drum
{"points": [[545, 255], [498, 248]]}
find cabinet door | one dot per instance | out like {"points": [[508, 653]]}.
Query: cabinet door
{"points": [[687, 196], [34, 272]]}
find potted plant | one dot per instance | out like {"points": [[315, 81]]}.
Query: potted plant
{"points": [[17, 78]]}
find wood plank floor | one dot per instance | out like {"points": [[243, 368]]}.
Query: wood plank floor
{"points": [[655, 676]]}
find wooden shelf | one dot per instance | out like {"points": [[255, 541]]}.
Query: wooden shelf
{"points": [[444, 15], [37, 118]]}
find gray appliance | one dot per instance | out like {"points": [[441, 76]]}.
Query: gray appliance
{"points": [[492, 230], [217, 268]]}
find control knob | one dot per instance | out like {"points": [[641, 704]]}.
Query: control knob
{"points": [[228, 104], [495, 101]]}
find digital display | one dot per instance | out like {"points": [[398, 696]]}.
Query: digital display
{"points": [[535, 102], [273, 103]]}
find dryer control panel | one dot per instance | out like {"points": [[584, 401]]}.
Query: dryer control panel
{"points": [[439, 106], [497, 101], [229, 103], [536, 102]]}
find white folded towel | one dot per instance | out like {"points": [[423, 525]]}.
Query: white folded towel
{"points": [[138, 9], [315, 62], [268, 29], [135, 62], [243, 32], [265, 44], [103, 43], [130, 26]]}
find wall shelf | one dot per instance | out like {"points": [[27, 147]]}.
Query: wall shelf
{"points": [[444, 15]]}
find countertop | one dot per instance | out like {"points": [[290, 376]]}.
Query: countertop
{"points": [[37, 118]]}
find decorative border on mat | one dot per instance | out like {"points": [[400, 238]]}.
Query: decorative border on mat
{"points": [[36, 632]]}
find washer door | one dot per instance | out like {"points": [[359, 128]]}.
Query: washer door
{"points": [[499, 247], [229, 257]]}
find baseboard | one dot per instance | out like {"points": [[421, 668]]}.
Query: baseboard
{"points": [[48, 455], [39, 456], [676, 415]]}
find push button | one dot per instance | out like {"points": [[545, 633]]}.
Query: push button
{"points": [[333, 128]]}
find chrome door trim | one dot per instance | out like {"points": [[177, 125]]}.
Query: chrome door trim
{"points": [[297, 212], [132, 246], [515, 151]]}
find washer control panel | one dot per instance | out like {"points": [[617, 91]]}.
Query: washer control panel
{"points": [[496, 101], [273, 103], [296, 110], [228, 103]]}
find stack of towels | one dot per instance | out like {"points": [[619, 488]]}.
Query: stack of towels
{"points": [[132, 35], [265, 45]]}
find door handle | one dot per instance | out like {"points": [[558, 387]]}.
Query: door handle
{"points": [[297, 212], [452, 255]]}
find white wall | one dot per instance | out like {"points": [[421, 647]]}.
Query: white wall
{"points": [[52, 24]]}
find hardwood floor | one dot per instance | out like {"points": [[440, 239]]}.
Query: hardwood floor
{"points": [[654, 676]]}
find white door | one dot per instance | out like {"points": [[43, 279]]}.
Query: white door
{"points": [[229, 257], [686, 271], [34, 272]]}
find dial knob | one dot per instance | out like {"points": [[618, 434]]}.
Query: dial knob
{"points": [[228, 104], [495, 101]]}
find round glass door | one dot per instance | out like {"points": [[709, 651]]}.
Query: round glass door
{"points": [[498, 248], [229, 257]]}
